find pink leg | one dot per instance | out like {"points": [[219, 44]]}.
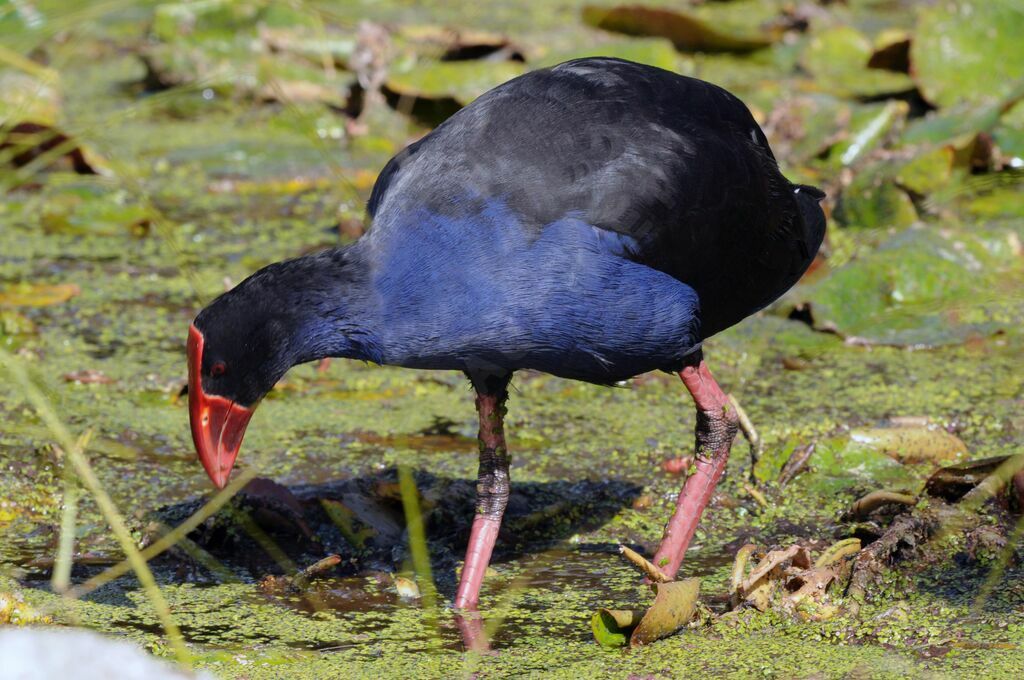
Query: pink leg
{"points": [[716, 428], [471, 627], [492, 489]]}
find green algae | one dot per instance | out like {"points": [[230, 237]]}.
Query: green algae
{"points": [[207, 187]]}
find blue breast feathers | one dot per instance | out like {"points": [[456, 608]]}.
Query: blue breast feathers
{"points": [[474, 289]]}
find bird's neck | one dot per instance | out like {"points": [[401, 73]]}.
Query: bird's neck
{"points": [[328, 297]]}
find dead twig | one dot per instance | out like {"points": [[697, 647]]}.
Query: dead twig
{"points": [[876, 499], [796, 463], [747, 428], [646, 567], [756, 495]]}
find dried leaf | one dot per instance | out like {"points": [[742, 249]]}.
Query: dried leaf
{"points": [[911, 444], [954, 481], [89, 376], [407, 588], [797, 553], [674, 606], [29, 295]]}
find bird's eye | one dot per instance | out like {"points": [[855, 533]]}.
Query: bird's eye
{"points": [[218, 368]]}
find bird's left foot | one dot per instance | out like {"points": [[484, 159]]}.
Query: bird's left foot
{"points": [[717, 423]]}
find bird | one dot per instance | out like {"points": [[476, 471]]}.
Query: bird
{"points": [[594, 220]]}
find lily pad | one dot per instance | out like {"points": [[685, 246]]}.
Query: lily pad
{"points": [[968, 50], [872, 200], [868, 127], [687, 30], [911, 444], [29, 130], [959, 125], [923, 288], [462, 81], [891, 51], [447, 43], [172, 20], [927, 172], [806, 126], [674, 605], [838, 58], [654, 51]]}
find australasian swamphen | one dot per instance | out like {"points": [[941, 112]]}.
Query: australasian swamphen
{"points": [[595, 220]]}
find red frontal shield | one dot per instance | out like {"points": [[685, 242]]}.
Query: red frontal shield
{"points": [[218, 424]]}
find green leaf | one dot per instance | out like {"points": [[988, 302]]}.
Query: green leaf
{"points": [[925, 288], [838, 58], [612, 627], [872, 200], [462, 81], [713, 32], [653, 51], [968, 50]]}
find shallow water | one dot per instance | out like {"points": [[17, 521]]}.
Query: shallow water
{"points": [[209, 187]]}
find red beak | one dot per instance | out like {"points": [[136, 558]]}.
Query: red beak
{"points": [[218, 424]]}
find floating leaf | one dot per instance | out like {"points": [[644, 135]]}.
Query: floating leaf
{"points": [[867, 128], [1000, 202], [805, 126], [93, 209], [653, 51], [959, 125], [458, 44], [923, 287], [891, 51], [612, 627], [911, 444], [968, 50], [873, 200], [462, 81], [172, 20], [927, 172], [29, 295], [686, 30], [838, 57], [315, 46], [673, 608], [29, 131]]}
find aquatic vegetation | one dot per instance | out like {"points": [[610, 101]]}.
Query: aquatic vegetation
{"points": [[221, 136]]}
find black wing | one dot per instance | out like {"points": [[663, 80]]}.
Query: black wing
{"points": [[675, 165]]}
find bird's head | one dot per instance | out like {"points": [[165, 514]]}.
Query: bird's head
{"points": [[238, 348], [287, 313]]}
